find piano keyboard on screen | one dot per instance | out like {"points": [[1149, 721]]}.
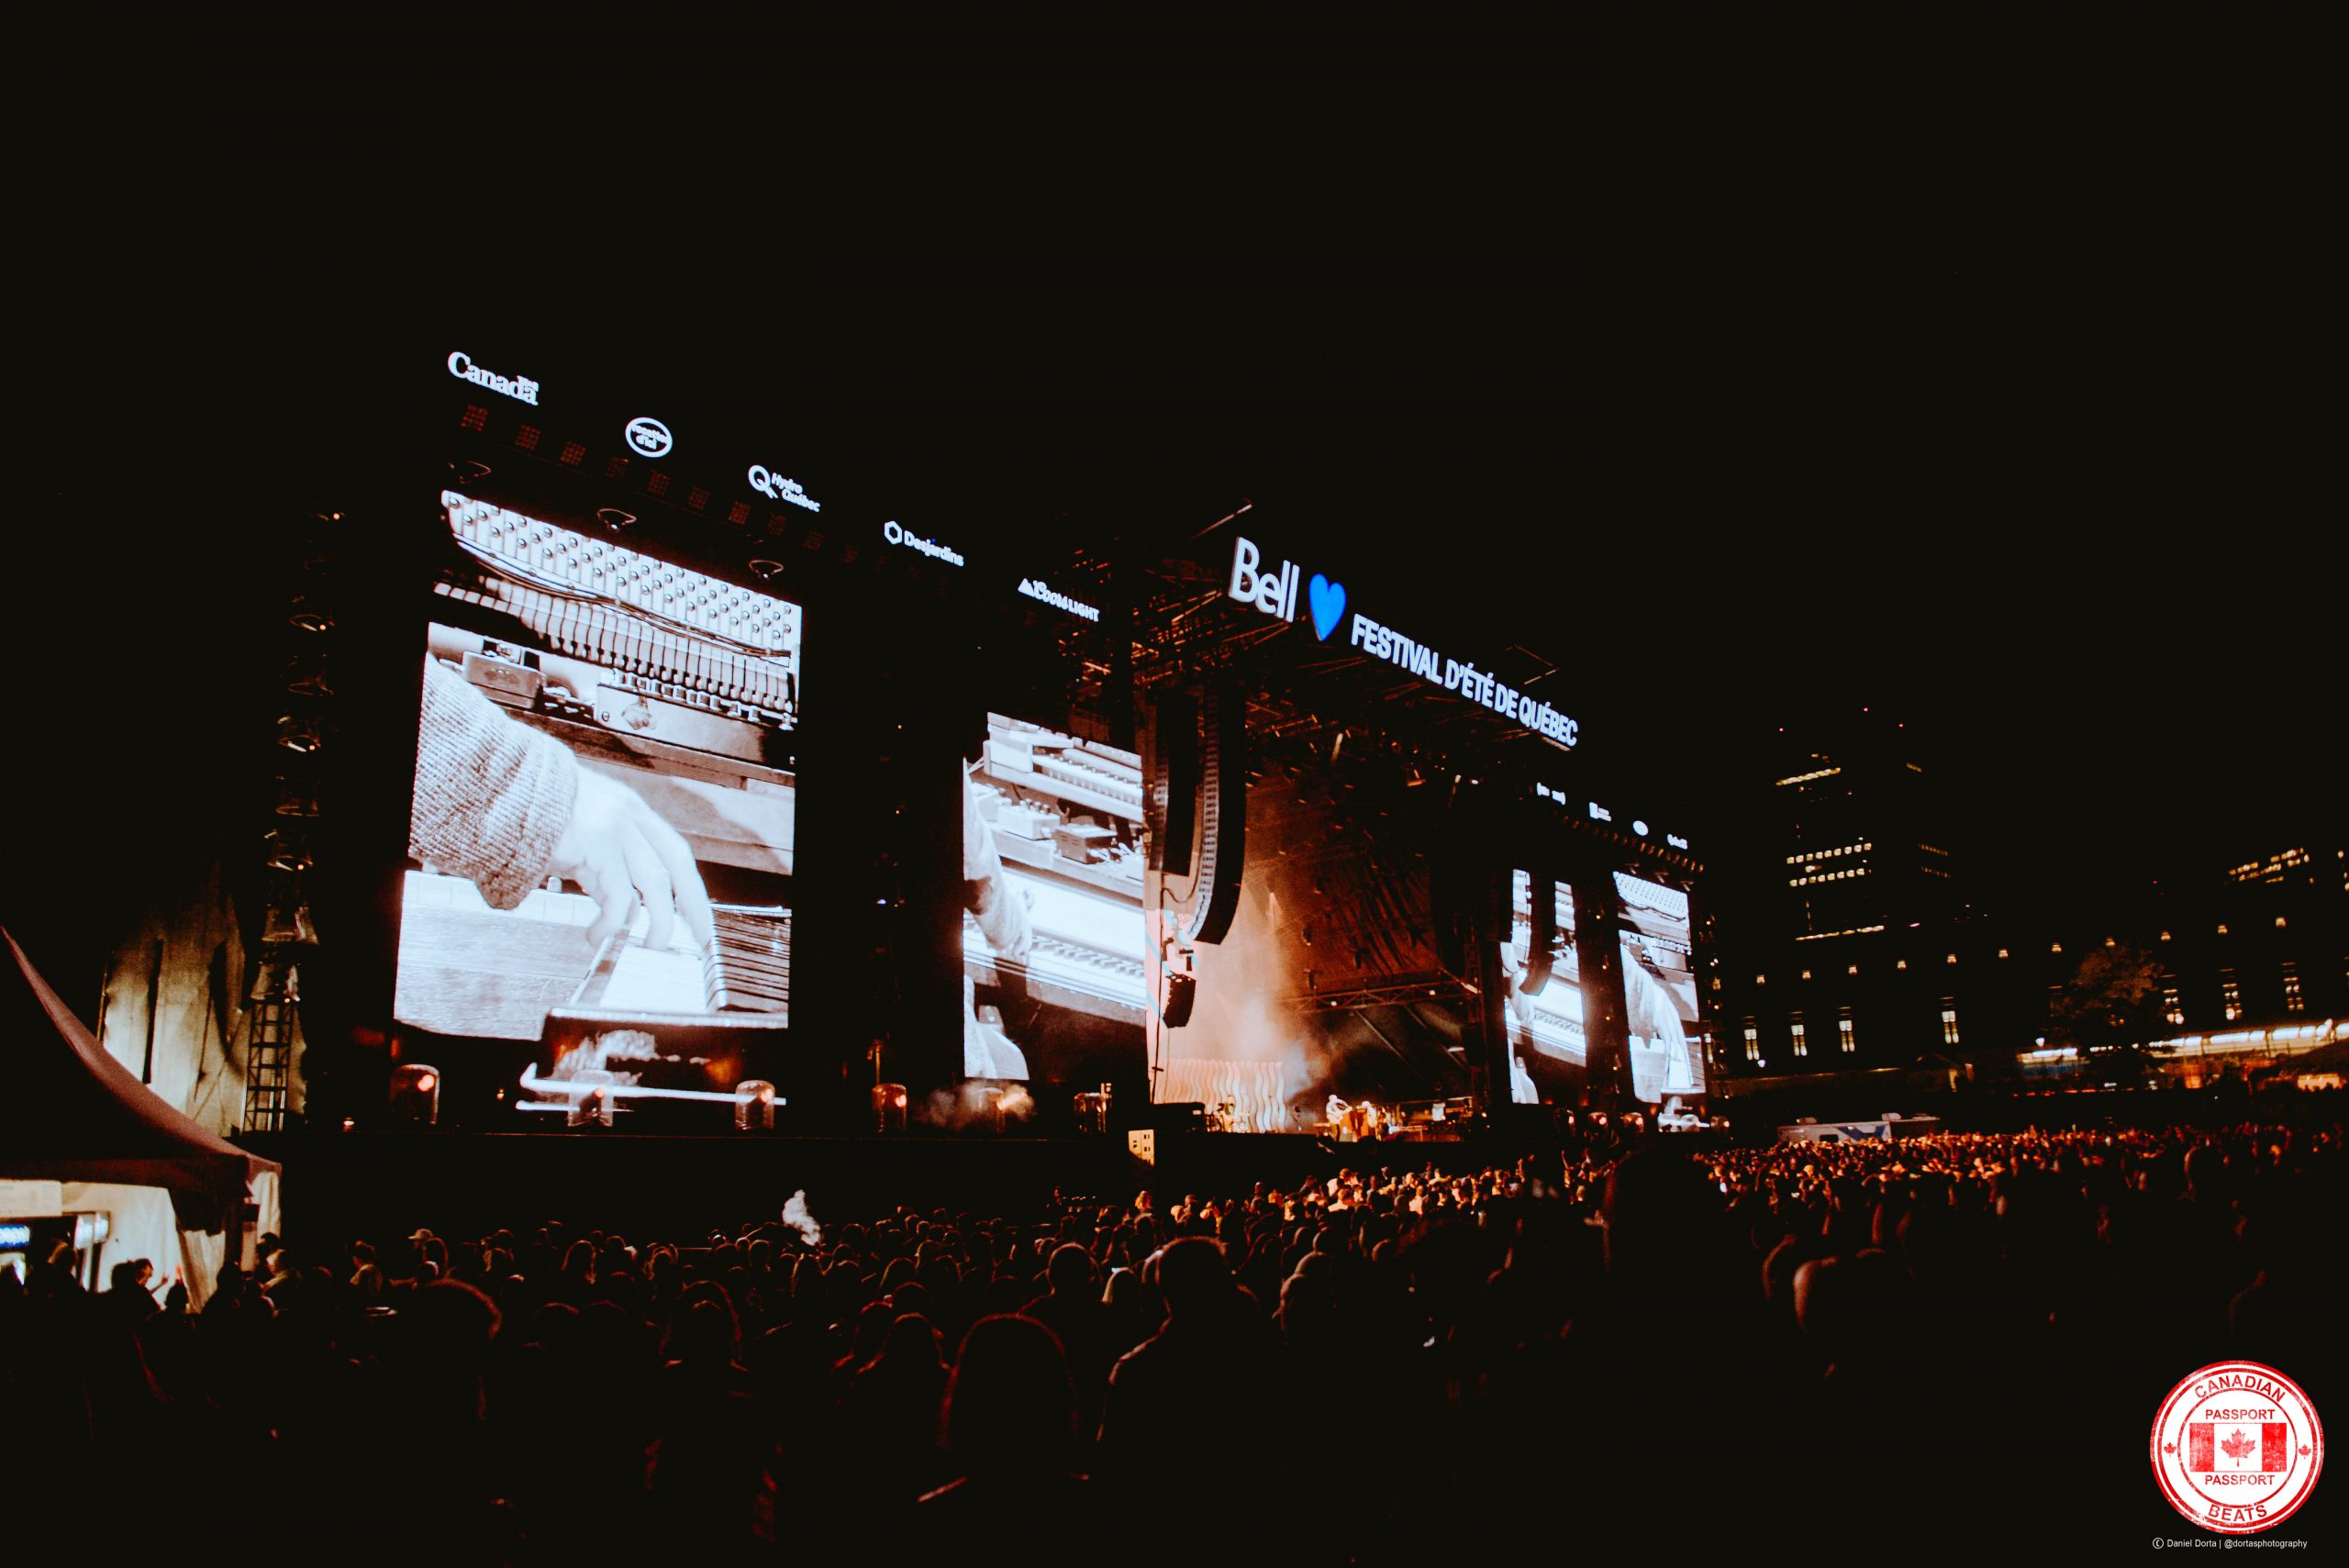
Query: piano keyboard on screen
{"points": [[748, 967], [1088, 771], [1072, 972]]}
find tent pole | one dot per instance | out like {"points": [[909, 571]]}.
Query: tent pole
{"points": [[154, 993]]}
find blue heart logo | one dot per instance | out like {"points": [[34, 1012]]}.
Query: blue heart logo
{"points": [[1329, 604]]}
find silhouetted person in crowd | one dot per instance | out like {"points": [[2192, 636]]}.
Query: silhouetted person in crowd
{"points": [[1194, 1405], [890, 1413], [128, 1296], [707, 1449], [1073, 1309], [1010, 1434]]}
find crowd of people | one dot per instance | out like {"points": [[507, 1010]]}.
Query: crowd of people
{"points": [[1636, 1342]]}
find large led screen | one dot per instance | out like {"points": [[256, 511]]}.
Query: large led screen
{"points": [[1660, 992], [1053, 983], [1541, 998], [603, 812]]}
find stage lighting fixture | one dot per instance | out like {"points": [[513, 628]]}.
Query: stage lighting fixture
{"points": [[296, 797], [595, 1108], [889, 1107], [307, 677], [300, 732], [285, 851], [416, 1093], [309, 613], [288, 922], [613, 518], [765, 568], [754, 1103]]}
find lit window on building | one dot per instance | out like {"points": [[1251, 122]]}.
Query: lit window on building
{"points": [[2055, 947], [2164, 936], [2292, 1003], [1900, 963], [1806, 975], [2230, 995], [2171, 1009], [1952, 958], [1949, 1023], [2222, 927], [1753, 1043], [2273, 868], [1851, 969], [2279, 922], [1843, 1034], [2002, 953], [1802, 1046]]}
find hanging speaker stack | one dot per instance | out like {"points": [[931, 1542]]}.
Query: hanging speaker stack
{"points": [[1542, 950], [1171, 806], [1223, 815]]}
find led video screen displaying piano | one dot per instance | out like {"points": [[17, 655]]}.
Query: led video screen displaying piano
{"points": [[1052, 985], [604, 768], [1541, 998], [1660, 992]]}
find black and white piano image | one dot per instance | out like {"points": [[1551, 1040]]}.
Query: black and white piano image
{"points": [[1541, 1001], [643, 647], [1053, 932], [563, 675], [1659, 991]]}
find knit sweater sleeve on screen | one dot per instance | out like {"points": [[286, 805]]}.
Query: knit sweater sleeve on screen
{"points": [[492, 796], [987, 891]]}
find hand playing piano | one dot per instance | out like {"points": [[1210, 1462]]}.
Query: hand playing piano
{"points": [[620, 849]]}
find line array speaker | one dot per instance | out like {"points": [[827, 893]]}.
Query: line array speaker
{"points": [[1170, 810], [1223, 815]]}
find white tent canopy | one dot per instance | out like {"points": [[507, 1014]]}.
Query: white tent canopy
{"points": [[78, 1117]]}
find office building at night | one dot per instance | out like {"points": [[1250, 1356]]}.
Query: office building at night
{"points": [[1848, 945]]}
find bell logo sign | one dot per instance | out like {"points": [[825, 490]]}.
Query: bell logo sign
{"points": [[1275, 592]]}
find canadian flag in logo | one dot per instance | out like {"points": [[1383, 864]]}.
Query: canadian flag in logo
{"points": [[2225, 1445]]}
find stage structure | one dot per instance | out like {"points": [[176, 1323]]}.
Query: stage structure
{"points": [[721, 761], [702, 752], [1432, 917]]}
